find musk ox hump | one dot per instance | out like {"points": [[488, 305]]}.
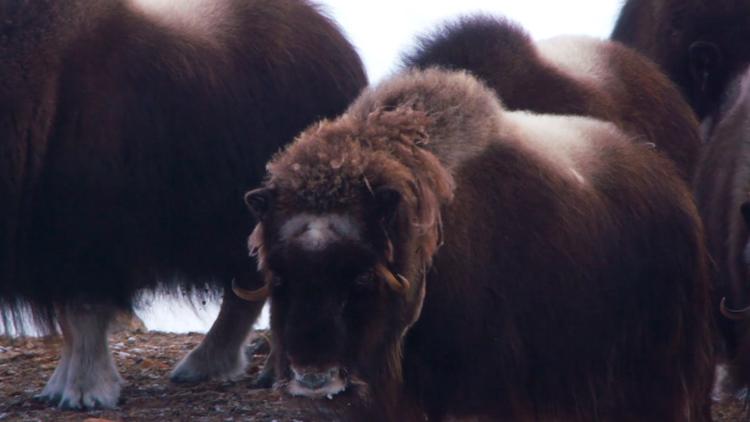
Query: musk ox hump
{"points": [[199, 18], [580, 57], [567, 144]]}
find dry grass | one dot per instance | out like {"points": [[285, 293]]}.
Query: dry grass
{"points": [[144, 360]]}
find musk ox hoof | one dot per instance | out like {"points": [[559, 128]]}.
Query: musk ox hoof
{"points": [[265, 378], [261, 345], [50, 398], [103, 394], [84, 390], [203, 364]]}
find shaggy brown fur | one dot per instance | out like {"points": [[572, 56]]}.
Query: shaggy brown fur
{"points": [[722, 187], [129, 131], [566, 75], [571, 284], [668, 32]]}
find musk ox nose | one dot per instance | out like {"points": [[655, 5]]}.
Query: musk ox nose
{"points": [[316, 383], [314, 380]]}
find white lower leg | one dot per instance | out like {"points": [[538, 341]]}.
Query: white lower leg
{"points": [[91, 377], [54, 389]]}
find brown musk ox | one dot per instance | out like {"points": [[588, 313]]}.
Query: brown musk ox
{"points": [[722, 191], [431, 254], [700, 44], [567, 75], [129, 132]]}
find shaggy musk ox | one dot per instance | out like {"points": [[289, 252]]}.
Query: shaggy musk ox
{"points": [[701, 44], [722, 190], [568, 75], [129, 131], [430, 253]]}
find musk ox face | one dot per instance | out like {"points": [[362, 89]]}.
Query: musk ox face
{"points": [[335, 295], [347, 230]]}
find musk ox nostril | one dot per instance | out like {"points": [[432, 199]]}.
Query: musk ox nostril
{"points": [[315, 380]]}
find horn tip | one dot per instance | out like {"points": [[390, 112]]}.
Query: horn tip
{"points": [[733, 314]]}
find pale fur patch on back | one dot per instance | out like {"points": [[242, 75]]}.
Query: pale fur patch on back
{"points": [[315, 232], [583, 58], [199, 18], [566, 143]]}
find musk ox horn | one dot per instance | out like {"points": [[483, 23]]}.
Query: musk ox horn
{"points": [[734, 314], [397, 282], [257, 295]]}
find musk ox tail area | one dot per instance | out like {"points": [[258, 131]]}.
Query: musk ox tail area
{"points": [[472, 43]]}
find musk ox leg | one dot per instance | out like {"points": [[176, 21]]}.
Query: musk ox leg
{"points": [[221, 354], [267, 375], [86, 376], [52, 392]]}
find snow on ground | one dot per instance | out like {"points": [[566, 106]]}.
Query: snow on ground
{"points": [[172, 315]]}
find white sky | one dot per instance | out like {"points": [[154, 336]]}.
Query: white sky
{"points": [[382, 30]]}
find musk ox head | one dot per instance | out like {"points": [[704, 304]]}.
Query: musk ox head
{"points": [[349, 221], [698, 43], [343, 240]]}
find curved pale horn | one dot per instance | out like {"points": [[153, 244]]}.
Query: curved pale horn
{"points": [[734, 314], [257, 295], [397, 282]]}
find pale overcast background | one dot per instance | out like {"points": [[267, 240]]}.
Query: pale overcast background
{"points": [[381, 31]]}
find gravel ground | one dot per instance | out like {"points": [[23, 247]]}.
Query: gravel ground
{"points": [[144, 360]]}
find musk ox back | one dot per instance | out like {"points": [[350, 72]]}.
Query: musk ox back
{"points": [[431, 254], [700, 44], [129, 131], [567, 76]]}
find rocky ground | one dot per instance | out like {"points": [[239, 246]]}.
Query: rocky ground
{"points": [[144, 360]]}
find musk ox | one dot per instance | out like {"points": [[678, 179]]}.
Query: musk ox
{"points": [[700, 44], [431, 254], [722, 190], [129, 131], [567, 75]]}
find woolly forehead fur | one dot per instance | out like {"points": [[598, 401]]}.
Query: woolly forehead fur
{"points": [[384, 139]]}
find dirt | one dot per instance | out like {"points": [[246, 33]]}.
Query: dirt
{"points": [[144, 360]]}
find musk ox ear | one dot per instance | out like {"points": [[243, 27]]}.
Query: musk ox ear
{"points": [[705, 63], [387, 200], [259, 201]]}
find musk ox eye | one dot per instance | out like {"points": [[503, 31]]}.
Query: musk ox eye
{"points": [[365, 279]]}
